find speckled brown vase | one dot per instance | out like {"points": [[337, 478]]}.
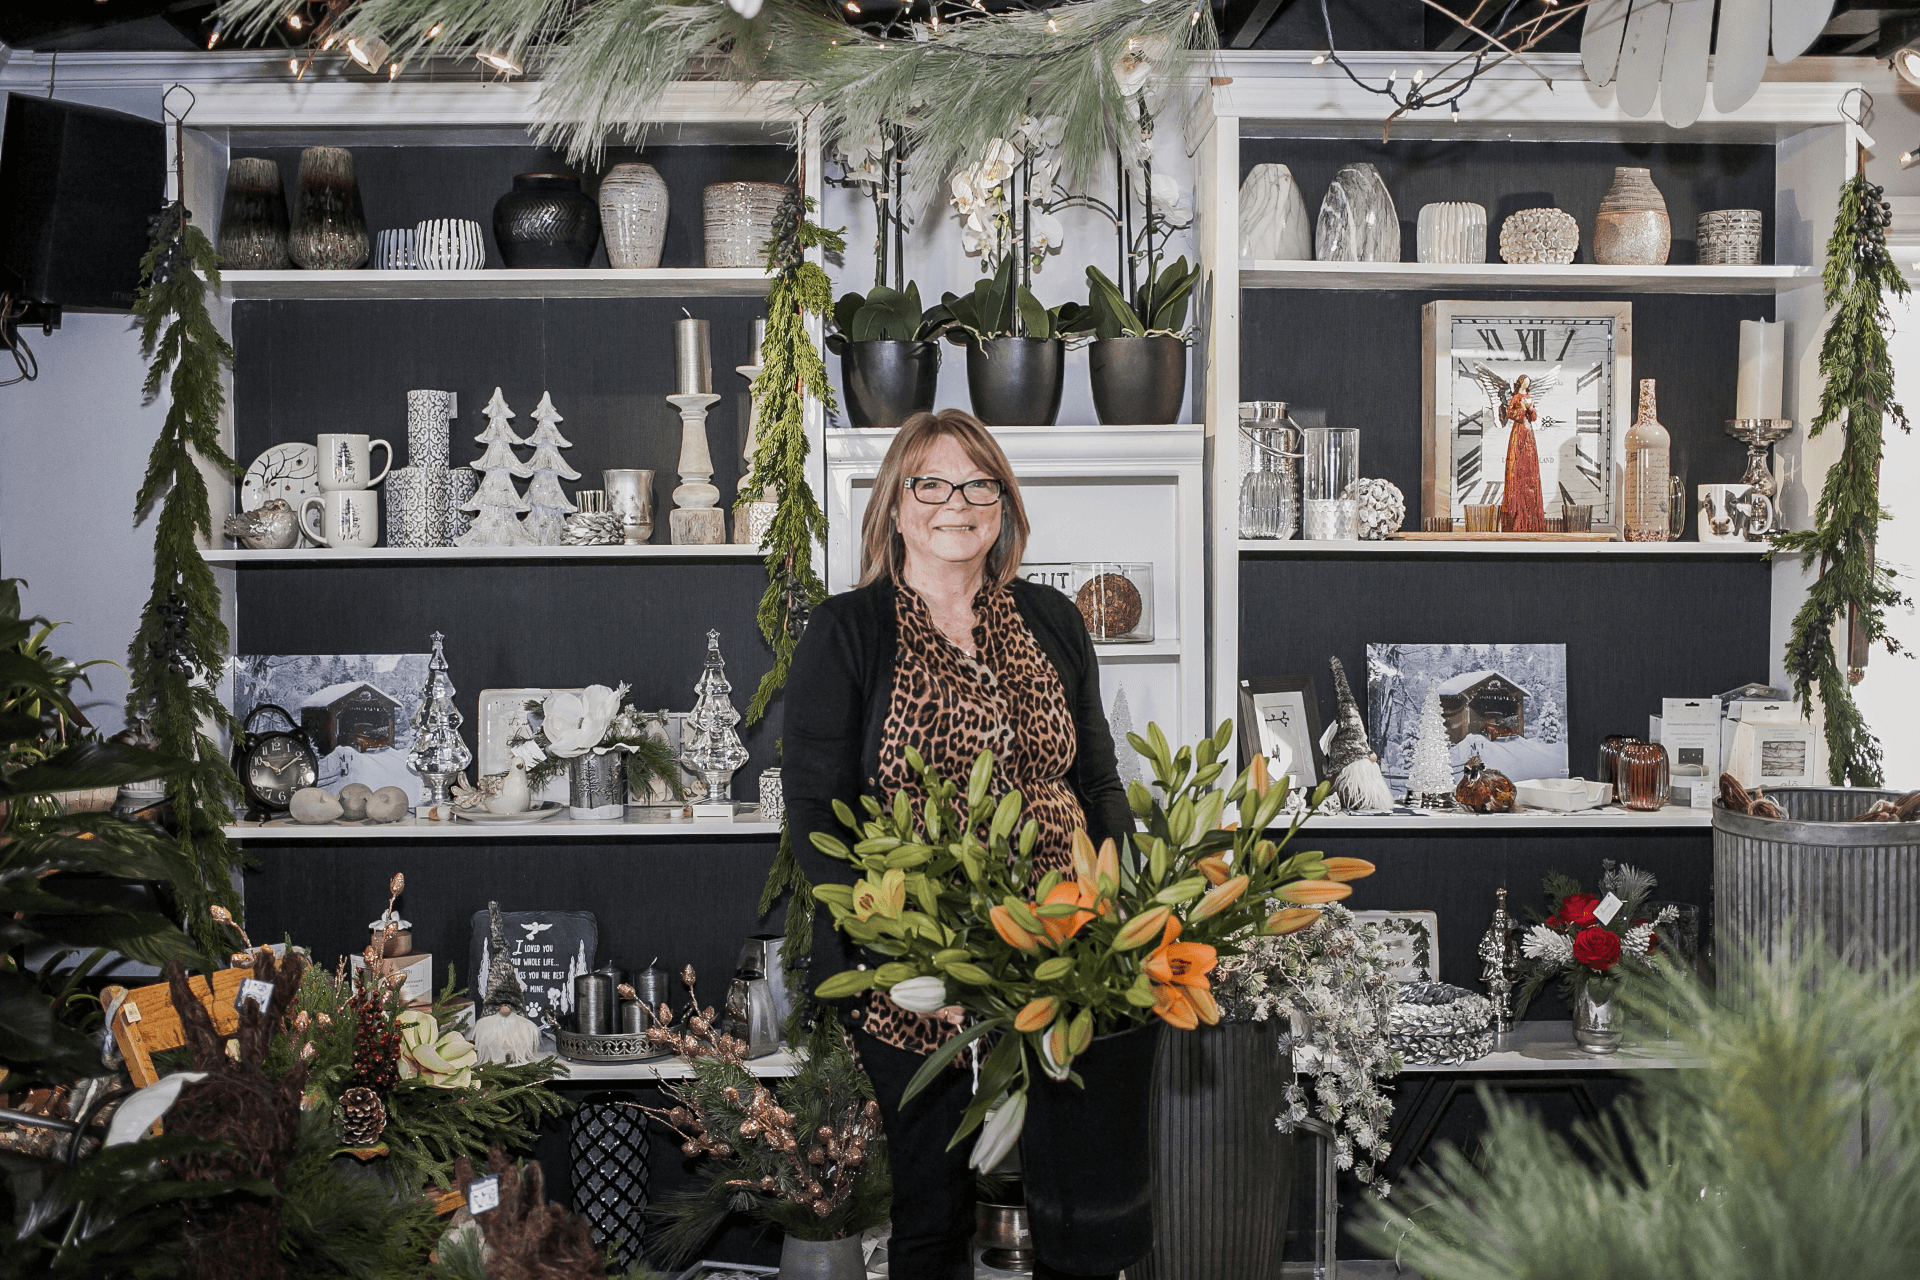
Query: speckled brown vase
{"points": [[1632, 229]]}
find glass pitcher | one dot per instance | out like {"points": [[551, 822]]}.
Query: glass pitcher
{"points": [[1269, 471]]}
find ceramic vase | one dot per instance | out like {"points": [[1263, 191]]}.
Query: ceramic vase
{"points": [[393, 250], [1632, 228], [546, 221], [418, 499], [739, 221], [462, 484], [449, 244], [1728, 237], [841, 1259], [329, 227], [430, 428], [633, 215], [888, 381], [253, 218], [1596, 1023], [1273, 218], [1357, 220], [1453, 231]]}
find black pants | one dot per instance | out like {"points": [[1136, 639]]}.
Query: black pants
{"points": [[933, 1194]]}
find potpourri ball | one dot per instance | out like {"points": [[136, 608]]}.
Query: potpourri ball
{"points": [[1380, 507], [1110, 604]]}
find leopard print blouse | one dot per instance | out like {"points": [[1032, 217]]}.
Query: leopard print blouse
{"points": [[949, 707]]}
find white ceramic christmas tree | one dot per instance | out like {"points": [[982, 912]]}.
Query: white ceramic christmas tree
{"points": [[497, 503], [1430, 781], [1551, 729], [548, 504]]}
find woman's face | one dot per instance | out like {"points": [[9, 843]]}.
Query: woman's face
{"points": [[953, 531]]}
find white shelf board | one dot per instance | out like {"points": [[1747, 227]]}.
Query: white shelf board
{"points": [[660, 282], [769, 1066], [563, 827], [1500, 275], [352, 555], [1278, 548], [1604, 819], [1157, 649], [1549, 1046]]}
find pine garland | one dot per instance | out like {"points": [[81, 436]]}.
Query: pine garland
{"points": [[182, 643], [1858, 392]]}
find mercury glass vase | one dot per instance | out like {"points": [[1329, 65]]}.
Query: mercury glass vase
{"points": [[1596, 1023], [597, 785]]}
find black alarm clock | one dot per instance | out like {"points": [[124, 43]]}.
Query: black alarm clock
{"points": [[275, 764]]}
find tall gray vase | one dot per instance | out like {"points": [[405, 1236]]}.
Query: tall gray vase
{"points": [[1221, 1171]]}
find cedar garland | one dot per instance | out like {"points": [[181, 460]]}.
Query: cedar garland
{"points": [[1858, 392], [179, 649]]}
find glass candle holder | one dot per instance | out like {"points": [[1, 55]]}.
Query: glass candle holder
{"points": [[1116, 600], [1330, 463], [1642, 776]]}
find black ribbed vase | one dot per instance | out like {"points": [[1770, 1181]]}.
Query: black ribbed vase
{"points": [[1221, 1171], [1085, 1157]]}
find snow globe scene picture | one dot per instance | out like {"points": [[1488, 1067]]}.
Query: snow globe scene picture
{"points": [[1505, 703], [355, 710]]}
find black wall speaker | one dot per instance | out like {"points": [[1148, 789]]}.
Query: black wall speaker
{"points": [[77, 185]]}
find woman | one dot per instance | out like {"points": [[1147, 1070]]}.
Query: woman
{"points": [[945, 648]]}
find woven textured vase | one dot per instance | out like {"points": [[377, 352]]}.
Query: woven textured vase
{"points": [[1632, 229], [633, 215]]}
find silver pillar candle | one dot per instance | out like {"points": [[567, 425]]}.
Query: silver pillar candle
{"points": [[759, 339], [651, 984], [592, 1004], [692, 357], [633, 1017]]}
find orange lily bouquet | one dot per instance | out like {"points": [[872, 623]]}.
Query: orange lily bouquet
{"points": [[947, 894]]}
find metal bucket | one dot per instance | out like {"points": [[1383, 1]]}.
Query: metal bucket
{"points": [[1856, 882]]}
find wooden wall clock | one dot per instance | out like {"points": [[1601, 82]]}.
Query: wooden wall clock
{"points": [[1579, 357]]}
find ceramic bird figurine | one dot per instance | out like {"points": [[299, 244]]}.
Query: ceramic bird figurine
{"points": [[1485, 790], [1351, 761], [507, 793], [271, 526]]}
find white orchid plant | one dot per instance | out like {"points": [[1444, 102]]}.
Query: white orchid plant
{"points": [[594, 720]]}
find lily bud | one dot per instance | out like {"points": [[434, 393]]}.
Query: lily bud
{"points": [[1214, 867], [1314, 892], [1142, 929], [1010, 932], [1084, 869], [1344, 869], [1260, 780], [1036, 1014], [1219, 898], [1289, 920]]}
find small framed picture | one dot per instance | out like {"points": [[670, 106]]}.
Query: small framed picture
{"points": [[1280, 718], [1412, 940]]}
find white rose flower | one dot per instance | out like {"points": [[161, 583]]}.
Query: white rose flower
{"points": [[575, 722]]}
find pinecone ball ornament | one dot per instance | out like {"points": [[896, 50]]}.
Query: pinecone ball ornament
{"points": [[591, 529], [1380, 508], [360, 1118]]}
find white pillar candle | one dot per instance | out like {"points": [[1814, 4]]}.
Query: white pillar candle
{"points": [[1763, 353]]}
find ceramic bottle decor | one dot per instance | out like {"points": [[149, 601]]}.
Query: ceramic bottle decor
{"points": [[1632, 228], [633, 215], [329, 227], [1273, 217], [1357, 219], [1644, 516], [253, 217]]}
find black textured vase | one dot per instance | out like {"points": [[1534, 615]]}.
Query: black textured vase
{"points": [[1085, 1157], [888, 382], [253, 217], [1138, 380], [1221, 1171], [546, 221], [1016, 382]]}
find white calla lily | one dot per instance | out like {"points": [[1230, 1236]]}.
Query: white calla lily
{"points": [[919, 995], [575, 722], [999, 1132]]}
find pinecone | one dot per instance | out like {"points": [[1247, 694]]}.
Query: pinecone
{"points": [[376, 1047], [591, 529], [360, 1118], [1380, 507]]}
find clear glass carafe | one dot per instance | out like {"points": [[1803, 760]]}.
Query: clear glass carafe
{"points": [[1269, 476]]}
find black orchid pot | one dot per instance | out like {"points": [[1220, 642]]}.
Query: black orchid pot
{"points": [[1138, 380], [1086, 1157], [1016, 382], [887, 381], [1222, 1173]]}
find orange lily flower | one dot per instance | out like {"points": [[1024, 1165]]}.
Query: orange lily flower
{"points": [[1173, 1008], [1290, 920], [1314, 892], [1063, 927], [1010, 931], [888, 898], [1219, 898], [1035, 1014], [1215, 868], [1344, 869], [1180, 963]]}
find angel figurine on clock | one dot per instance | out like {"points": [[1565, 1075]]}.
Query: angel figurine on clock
{"points": [[1523, 409]]}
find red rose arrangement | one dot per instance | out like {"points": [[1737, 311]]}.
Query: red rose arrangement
{"points": [[1585, 939]]}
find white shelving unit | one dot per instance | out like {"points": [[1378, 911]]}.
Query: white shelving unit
{"points": [[1393, 548], [442, 555], [779, 1063], [1585, 278], [370, 285], [1115, 493], [560, 828]]}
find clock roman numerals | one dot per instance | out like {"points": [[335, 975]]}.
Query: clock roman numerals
{"points": [[1533, 343], [1589, 377], [1472, 424], [1490, 339], [1467, 469], [1566, 342], [1586, 464], [1587, 421]]}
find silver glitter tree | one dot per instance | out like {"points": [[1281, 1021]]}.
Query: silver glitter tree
{"points": [[712, 749], [439, 753]]}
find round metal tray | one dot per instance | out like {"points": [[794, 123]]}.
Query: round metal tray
{"points": [[615, 1047]]}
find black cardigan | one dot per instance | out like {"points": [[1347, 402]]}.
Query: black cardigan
{"points": [[837, 697]]}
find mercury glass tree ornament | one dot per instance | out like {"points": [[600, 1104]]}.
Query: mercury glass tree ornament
{"points": [[1498, 963], [439, 753], [713, 749]]}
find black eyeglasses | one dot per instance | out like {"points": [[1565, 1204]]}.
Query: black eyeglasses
{"points": [[933, 491]]}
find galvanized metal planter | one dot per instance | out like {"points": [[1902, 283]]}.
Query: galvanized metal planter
{"points": [[1857, 882]]}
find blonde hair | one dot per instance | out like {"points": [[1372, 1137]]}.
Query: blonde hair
{"points": [[883, 553]]}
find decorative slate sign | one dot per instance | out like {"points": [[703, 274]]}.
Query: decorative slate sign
{"points": [[549, 950]]}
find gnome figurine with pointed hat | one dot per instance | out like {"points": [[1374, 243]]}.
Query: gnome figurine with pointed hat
{"points": [[1357, 778], [503, 1032]]}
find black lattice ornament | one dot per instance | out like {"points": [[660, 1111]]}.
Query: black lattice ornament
{"points": [[608, 1148]]}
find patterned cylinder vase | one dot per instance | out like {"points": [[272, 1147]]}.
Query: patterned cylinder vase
{"points": [[430, 417], [462, 484], [633, 215], [418, 506], [449, 244], [739, 221], [253, 218], [393, 250], [329, 227], [1632, 228], [1453, 231], [773, 801]]}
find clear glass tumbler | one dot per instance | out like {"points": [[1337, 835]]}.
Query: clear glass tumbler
{"points": [[1330, 466]]}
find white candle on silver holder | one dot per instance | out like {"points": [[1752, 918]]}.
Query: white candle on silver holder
{"points": [[692, 357], [1763, 351]]}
